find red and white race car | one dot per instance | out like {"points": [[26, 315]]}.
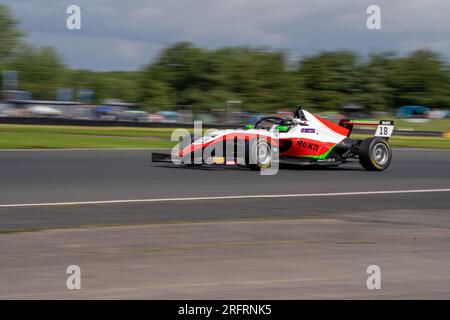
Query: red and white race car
{"points": [[303, 139]]}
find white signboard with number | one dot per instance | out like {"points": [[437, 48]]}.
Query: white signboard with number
{"points": [[385, 129]]}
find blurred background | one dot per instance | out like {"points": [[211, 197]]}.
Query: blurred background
{"points": [[184, 82]]}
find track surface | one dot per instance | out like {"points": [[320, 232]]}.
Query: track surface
{"points": [[288, 259], [292, 248], [60, 176]]}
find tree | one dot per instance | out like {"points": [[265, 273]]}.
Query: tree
{"points": [[156, 94], [9, 36], [122, 85], [377, 91], [259, 77], [331, 79], [421, 78], [9, 33], [208, 78], [40, 71]]}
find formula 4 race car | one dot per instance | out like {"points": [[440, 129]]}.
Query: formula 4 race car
{"points": [[303, 139]]}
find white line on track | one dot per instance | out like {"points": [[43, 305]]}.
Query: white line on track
{"points": [[295, 195]]}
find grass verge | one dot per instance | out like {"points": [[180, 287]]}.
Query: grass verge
{"points": [[64, 137], [415, 142], [61, 141]]}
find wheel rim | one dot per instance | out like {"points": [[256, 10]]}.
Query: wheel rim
{"points": [[263, 154], [380, 154]]}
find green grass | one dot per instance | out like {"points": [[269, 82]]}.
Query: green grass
{"points": [[434, 125], [414, 142], [61, 141], [88, 131], [63, 137], [440, 125]]}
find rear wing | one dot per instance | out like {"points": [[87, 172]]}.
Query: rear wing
{"points": [[384, 129]]}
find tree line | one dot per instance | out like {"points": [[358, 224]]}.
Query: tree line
{"points": [[263, 79]]}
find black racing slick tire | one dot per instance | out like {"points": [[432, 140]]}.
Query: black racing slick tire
{"points": [[375, 154], [258, 154]]}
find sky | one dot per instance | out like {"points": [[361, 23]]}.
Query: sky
{"points": [[126, 35]]}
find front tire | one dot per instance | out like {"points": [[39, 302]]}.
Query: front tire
{"points": [[375, 154], [258, 154]]}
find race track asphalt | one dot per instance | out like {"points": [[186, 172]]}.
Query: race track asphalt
{"points": [[97, 175], [242, 248]]}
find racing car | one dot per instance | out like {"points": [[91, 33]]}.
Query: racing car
{"points": [[301, 139]]}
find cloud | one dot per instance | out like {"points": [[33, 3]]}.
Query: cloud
{"points": [[124, 35], [99, 52]]}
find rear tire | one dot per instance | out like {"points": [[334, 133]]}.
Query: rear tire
{"points": [[375, 154]]}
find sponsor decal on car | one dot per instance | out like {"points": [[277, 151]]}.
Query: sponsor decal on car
{"points": [[308, 145], [218, 160], [326, 160], [447, 134], [308, 130], [204, 139]]}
